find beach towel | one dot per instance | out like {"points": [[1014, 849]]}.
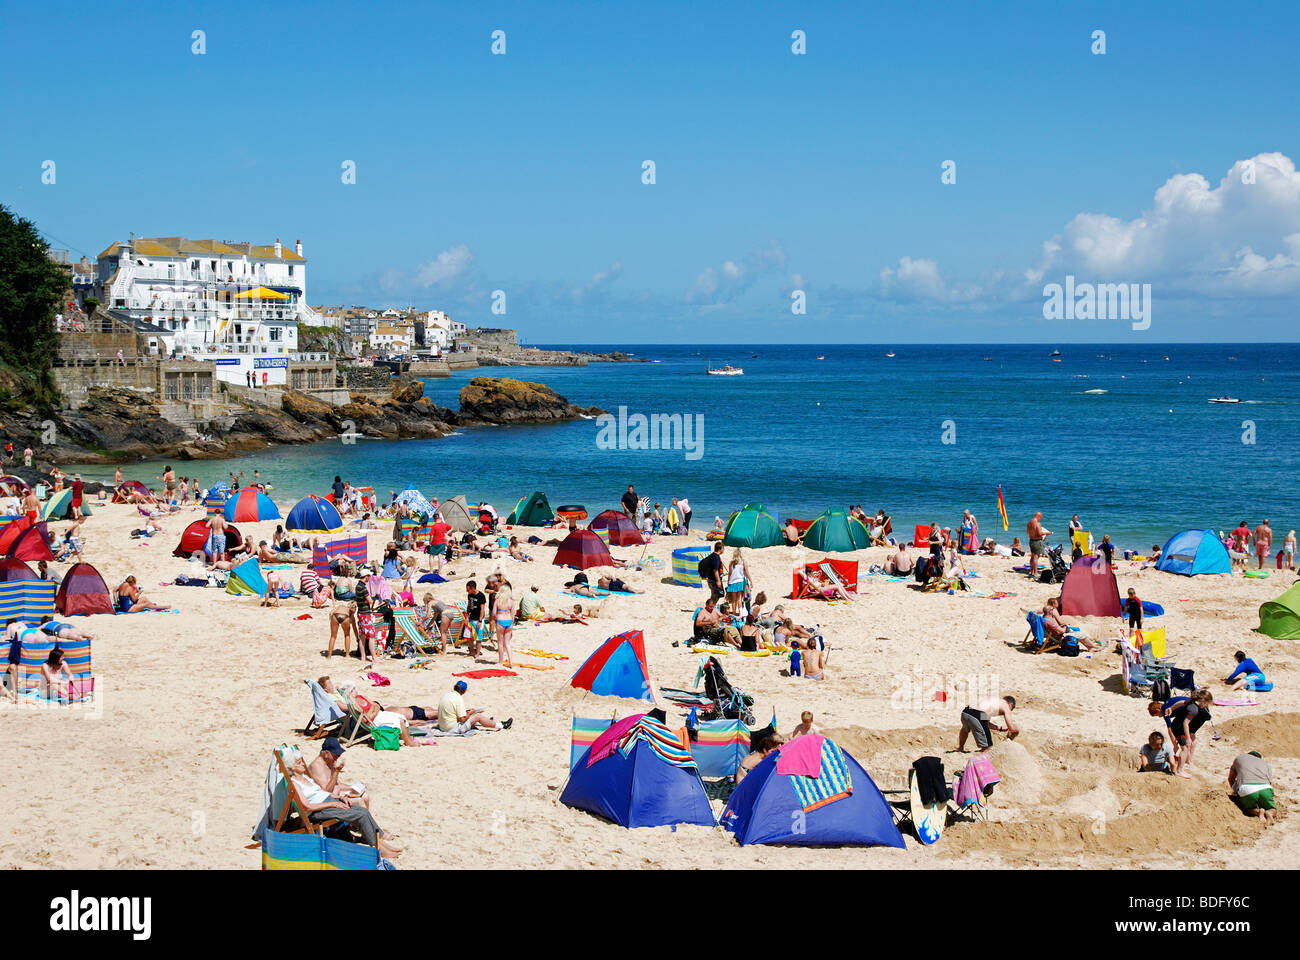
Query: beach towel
{"points": [[1236, 703], [529, 666], [486, 674], [586, 730], [433, 578], [671, 746], [608, 741], [832, 782], [802, 756], [533, 652], [976, 781]]}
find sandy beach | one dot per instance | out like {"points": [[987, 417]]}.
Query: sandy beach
{"points": [[167, 770]]}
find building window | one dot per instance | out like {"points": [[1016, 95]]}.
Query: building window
{"points": [[275, 333]]}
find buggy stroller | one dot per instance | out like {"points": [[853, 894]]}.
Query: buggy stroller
{"points": [[728, 702], [1056, 569]]}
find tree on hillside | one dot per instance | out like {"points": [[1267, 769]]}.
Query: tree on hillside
{"points": [[31, 288]]}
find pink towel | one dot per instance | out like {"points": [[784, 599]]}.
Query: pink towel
{"points": [[1236, 703], [608, 741], [801, 757]]}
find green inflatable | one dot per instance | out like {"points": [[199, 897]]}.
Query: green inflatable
{"points": [[1280, 618]]}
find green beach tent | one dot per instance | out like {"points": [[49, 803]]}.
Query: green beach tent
{"points": [[57, 506], [246, 579], [836, 530], [532, 511], [753, 526], [1280, 618]]}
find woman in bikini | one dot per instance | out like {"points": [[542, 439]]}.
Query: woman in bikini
{"points": [[131, 600], [503, 612], [52, 671]]}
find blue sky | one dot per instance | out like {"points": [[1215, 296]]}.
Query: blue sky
{"points": [[775, 172]]}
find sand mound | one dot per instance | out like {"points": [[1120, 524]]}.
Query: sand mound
{"points": [[1272, 734]]}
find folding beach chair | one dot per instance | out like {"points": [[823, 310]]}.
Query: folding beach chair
{"points": [[326, 717], [410, 629], [833, 577], [972, 789], [293, 803], [1137, 675], [1036, 638]]}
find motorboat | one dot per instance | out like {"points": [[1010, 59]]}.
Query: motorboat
{"points": [[1224, 400], [727, 371]]}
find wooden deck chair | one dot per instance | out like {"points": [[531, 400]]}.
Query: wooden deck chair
{"points": [[356, 728], [292, 801], [326, 718], [409, 628], [833, 577]]}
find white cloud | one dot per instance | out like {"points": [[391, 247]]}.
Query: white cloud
{"points": [[1236, 238], [919, 279], [598, 281], [719, 284], [447, 266]]}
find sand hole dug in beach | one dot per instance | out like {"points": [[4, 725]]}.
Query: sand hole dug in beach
{"points": [[1060, 798]]}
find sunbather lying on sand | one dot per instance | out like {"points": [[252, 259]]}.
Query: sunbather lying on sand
{"points": [[517, 551], [63, 631]]}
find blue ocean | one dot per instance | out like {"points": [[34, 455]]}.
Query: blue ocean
{"points": [[924, 434]]}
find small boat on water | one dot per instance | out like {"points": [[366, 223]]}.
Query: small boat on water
{"points": [[1055, 353], [726, 371], [1224, 400], [890, 353], [820, 357], [1094, 391]]}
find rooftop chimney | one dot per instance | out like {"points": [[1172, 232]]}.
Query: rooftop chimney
{"points": [[278, 248], [297, 246]]}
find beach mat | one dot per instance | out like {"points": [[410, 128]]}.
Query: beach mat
{"points": [[486, 674]]}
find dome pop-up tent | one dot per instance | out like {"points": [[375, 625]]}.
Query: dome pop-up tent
{"points": [[835, 530], [617, 527], [753, 526], [195, 538], [314, 514], [414, 499], [23, 540], [1194, 552], [532, 511], [83, 592], [1090, 590], [250, 505], [456, 512], [13, 569], [639, 773], [582, 549], [780, 801], [617, 668], [1280, 618], [246, 579]]}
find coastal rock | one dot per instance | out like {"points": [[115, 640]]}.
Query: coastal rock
{"points": [[504, 400], [408, 391], [304, 407]]}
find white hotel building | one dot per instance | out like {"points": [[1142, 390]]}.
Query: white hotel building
{"points": [[236, 304]]}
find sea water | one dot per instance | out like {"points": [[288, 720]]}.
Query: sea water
{"points": [[924, 435]]}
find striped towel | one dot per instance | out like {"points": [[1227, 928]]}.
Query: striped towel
{"points": [[833, 783], [672, 746]]}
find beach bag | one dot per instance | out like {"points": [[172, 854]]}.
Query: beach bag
{"points": [[1160, 689], [1069, 647], [386, 738], [700, 568]]}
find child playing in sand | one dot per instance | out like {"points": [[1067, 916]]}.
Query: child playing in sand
{"points": [[806, 725], [1155, 756]]}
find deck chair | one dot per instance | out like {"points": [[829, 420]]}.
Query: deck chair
{"points": [[833, 577], [1037, 638], [973, 787], [326, 717], [293, 802], [409, 628], [921, 538], [1149, 660]]}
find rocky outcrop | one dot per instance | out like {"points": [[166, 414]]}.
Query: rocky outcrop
{"points": [[408, 391], [503, 400]]}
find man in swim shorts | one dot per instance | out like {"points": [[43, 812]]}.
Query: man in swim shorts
{"points": [[1038, 535], [1263, 542], [975, 719]]}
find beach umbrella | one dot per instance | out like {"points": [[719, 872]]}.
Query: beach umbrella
{"points": [[313, 514], [11, 486], [617, 527], [250, 505], [582, 549]]}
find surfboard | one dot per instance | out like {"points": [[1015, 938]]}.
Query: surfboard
{"points": [[928, 821]]}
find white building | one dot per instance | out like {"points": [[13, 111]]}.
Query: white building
{"points": [[238, 304], [440, 330], [390, 339]]}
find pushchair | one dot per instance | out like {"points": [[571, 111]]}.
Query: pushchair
{"points": [[729, 702], [1056, 569]]}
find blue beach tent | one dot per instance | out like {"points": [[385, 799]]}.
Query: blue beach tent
{"points": [[1194, 552], [314, 514], [617, 668], [842, 807], [653, 784]]}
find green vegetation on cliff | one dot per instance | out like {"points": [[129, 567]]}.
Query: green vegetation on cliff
{"points": [[31, 288]]}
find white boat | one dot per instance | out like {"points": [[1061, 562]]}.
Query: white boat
{"points": [[1224, 400], [727, 371], [1055, 353], [1094, 391], [890, 353]]}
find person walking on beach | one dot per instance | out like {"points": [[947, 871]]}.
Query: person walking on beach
{"points": [[710, 568], [630, 501], [684, 507], [1038, 535], [1263, 542]]}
